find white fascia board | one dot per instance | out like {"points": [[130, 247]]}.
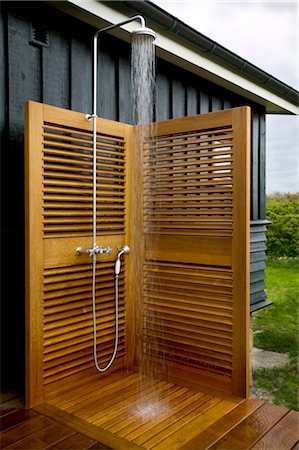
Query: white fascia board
{"points": [[177, 52]]}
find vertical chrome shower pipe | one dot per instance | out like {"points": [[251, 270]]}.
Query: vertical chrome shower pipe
{"points": [[94, 114], [94, 202]]}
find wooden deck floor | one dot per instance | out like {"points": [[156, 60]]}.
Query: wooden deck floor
{"points": [[133, 412], [25, 429]]}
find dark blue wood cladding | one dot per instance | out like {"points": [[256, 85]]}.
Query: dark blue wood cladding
{"points": [[258, 239], [61, 75]]}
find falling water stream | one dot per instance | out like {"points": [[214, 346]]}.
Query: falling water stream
{"points": [[143, 98], [143, 78]]}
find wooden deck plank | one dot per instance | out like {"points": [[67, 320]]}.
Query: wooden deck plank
{"points": [[88, 429], [76, 441], [129, 403], [148, 413], [44, 438], [99, 446], [4, 411], [285, 434], [105, 397], [15, 417], [167, 428], [67, 398], [117, 401], [24, 430], [147, 430], [199, 422], [223, 426], [126, 414], [252, 429]]}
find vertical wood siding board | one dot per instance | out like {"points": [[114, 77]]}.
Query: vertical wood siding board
{"points": [[34, 254], [204, 102], [24, 76], [255, 166], [227, 104], [81, 76], [7, 327], [171, 104], [262, 167], [178, 98], [240, 251], [24, 83], [192, 106], [56, 70], [117, 88], [3, 73], [217, 103], [125, 103], [163, 101], [106, 81], [186, 99]]}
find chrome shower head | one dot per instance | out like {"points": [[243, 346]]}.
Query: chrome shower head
{"points": [[144, 31]]}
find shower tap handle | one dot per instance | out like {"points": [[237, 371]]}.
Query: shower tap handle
{"points": [[97, 249], [80, 251]]}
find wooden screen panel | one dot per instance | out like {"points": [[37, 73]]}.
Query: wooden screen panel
{"points": [[190, 306], [68, 326], [197, 236], [68, 176], [189, 177], [58, 220]]}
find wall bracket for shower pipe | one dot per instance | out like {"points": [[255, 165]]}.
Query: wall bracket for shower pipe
{"points": [[91, 116], [97, 249]]}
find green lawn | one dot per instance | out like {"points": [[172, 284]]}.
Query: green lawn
{"points": [[276, 328]]}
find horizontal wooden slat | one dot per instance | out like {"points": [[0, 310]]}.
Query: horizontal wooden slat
{"points": [[186, 155], [187, 130], [68, 324], [82, 132]]}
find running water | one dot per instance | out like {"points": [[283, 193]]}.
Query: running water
{"points": [[141, 286], [143, 78]]}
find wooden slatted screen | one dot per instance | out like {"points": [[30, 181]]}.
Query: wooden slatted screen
{"points": [[197, 268], [196, 278], [58, 220]]}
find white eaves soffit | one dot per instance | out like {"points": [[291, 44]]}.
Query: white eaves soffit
{"points": [[175, 50]]}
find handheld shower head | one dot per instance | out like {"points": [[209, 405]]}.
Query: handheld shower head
{"points": [[125, 250]]}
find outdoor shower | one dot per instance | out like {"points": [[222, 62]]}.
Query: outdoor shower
{"points": [[142, 32]]}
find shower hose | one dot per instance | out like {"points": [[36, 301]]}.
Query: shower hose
{"points": [[116, 271]]}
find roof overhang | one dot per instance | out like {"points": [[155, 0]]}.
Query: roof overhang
{"points": [[179, 51]]}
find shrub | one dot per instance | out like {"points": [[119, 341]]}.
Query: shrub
{"points": [[283, 236]]}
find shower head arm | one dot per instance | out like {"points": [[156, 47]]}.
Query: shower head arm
{"points": [[120, 24], [95, 53]]}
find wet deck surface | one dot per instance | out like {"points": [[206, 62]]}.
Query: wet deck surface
{"points": [[244, 428], [183, 422], [27, 429]]}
